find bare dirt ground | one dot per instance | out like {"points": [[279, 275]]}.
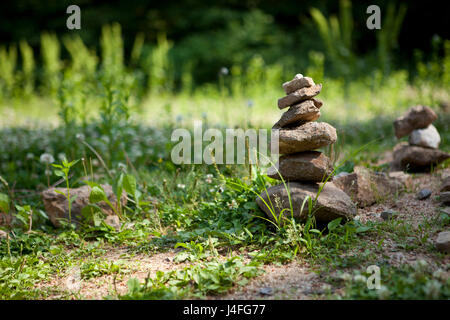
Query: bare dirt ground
{"points": [[296, 280]]}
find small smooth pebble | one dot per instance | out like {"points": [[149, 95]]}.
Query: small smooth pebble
{"points": [[424, 194], [267, 291]]}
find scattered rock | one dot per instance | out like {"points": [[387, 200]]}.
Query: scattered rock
{"points": [[424, 194], [428, 137], [308, 136], [298, 82], [56, 205], [304, 166], [299, 95], [302, 112], [332, 202], [113, 221], [402, 177], [388, 214], [417, 158], [445, 186], [443, 241], [267, 291], [444, 197], [417, 117], [366, 187]]}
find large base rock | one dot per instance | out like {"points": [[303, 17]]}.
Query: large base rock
{"points": [[309, 136], [56, 205], [366, 187], [416, 158], [417, 117], [332, 202], [304, 166]]}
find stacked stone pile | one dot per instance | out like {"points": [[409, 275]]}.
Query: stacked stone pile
{"points": [[421, 152], [301, 165]]}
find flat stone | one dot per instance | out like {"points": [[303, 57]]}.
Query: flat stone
{"points": [[365, 187], [299, 113], [332, 203], [428, 137], [444, 197], [299, 95], [443, 241], [305, 166], [445, 186], [417, 117], [56, 205], [308, 136], [298, 82], [388, 215], [416, 158], [424, 194]]}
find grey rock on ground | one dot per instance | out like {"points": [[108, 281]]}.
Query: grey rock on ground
{"points": [[444, 197], [56, 205], [298, 82], [445, 186], [428, 137], [417, 117], [302, 112], [299, 95], [423, 194], [309, 136], [443, 241], [388, 215], [365, 187], [266, 291], [416, 158], [332, 202], [304, 166]]}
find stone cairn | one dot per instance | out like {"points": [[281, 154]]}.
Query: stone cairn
{"points": [[300, 166], [421, 152]]}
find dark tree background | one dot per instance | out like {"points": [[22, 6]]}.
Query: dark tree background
{"points": [[220, 33]]}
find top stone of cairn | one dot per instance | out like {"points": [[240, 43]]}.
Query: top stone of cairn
{"points": [[298, 82]]}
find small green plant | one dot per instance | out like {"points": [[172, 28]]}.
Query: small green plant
{"points": [[62, 170]]}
